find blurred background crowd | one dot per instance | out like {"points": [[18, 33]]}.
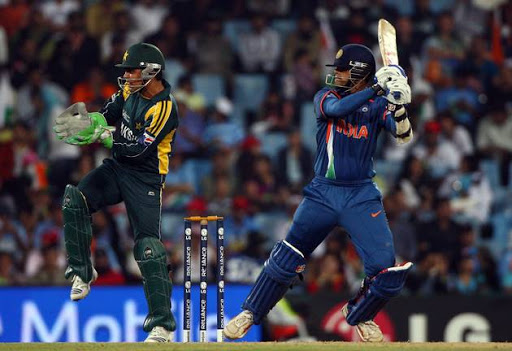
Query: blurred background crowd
{"points": [[244, 74]]}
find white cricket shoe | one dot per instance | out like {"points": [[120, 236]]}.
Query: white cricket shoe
{"points": [[239, 326], [369, 331], [160, 334], [81, 289]]}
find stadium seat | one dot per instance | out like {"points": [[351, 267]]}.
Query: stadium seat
{"points": [[491, 170], [284, 27], [388, 170], [232, 29], [173, 72], [211, 86], [268, 224], [501, 224], [200, 168], [170, 224], [250, 91], [308, 125], [272, 143]]}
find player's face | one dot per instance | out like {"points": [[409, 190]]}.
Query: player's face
{"points": [[341, 78], [133, 78]]}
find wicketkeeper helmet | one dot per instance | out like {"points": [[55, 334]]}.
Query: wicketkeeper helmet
{"points": [[143, 56]]}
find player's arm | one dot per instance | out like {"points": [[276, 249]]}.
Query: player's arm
{"points": [[161, 119], [398, 94], [331, 105], [396, 121]]}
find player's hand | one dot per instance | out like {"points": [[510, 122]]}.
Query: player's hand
{"points": [[390, 72], [399, 91], [78, 127]]}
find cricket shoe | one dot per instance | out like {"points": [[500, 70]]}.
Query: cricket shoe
{"points": [[160, 334], [81, 289], [368, 331], [239, 326]]}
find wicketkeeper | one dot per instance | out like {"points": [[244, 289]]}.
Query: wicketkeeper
{"points": [[147, 116]]}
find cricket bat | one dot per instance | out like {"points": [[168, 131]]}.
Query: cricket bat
{"points": [[387, 43]]}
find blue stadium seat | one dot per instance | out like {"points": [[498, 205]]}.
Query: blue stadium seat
{"points": [[268, 223], [403, 7], [388, 170], [308, 125], [211, 86], [272, 143], [249, 91], [501, 224], [284, 27], [173, 72], [200, 169], [491, 170], [171, 222], [232, 29]]}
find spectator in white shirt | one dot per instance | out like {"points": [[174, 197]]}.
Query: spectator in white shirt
{"points": [[57, 11], [260, 48], [494, 138], [456, 133]]}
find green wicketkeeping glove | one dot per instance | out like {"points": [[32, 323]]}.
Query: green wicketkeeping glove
{"points": [[98, 131], [78, 127]]}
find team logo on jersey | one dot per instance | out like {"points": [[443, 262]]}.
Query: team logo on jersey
{"points": [[138, 125], [339, 53], [300, 268]]}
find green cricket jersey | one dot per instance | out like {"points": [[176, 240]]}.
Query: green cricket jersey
{"points": [[147, 129]]}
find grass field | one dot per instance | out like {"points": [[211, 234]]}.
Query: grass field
{"points": [[263, 346]]}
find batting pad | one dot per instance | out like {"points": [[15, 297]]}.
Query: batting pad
{"points": [[376, 292], [150, 255], [278, 274], [77, 234]]}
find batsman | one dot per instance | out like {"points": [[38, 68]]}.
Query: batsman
{"points": [[147, 117], [350, 112]]}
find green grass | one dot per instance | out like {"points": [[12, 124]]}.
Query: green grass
{"points": [[265, 346]]}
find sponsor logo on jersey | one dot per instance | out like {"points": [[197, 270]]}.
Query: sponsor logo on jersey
{"points": [[351, 131], [127, 133], [126, 117]]}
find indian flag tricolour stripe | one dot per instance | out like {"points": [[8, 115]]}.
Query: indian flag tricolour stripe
{"points": [[331, 173]]}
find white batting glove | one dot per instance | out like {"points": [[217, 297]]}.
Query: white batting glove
{"points": [[399, 91]]}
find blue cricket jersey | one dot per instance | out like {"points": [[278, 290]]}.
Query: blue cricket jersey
{"points": [[347, 131]]}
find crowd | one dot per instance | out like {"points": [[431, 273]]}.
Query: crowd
{"points": [[243, 75]]}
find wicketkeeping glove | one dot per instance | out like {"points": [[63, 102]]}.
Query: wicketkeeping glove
{"points": [[78, 127]]}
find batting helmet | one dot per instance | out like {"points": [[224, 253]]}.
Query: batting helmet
{"points": [[358, 60]]}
